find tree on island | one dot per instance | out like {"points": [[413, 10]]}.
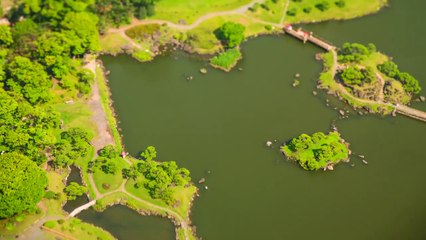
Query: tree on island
{"points": [[22, 184], [355, 52], [356, 76], [74, 190], [316, 151], [231, 34], [390, 69]]}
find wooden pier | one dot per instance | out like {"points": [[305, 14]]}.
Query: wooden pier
{"points": [[309, 37]]}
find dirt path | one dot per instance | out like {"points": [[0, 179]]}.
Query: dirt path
{"points": [[285, 12], [104, 136], [381, 96]]}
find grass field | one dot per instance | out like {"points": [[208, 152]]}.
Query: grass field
{"points": [[75, 228], [352, 9], [113, 43], [191, 10], [109, 182]]}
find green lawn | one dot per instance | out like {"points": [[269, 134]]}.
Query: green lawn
{"points": [[204, 41], [112, 181], [175, 10], [270, 11], [113, 43], [77, 114], [77, 229], [352, 9]]}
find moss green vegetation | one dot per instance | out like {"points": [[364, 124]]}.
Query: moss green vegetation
{"points": [[226, 60], [322, 10], [318, 151], [75, 228]]}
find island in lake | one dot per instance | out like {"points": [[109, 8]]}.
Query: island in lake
{"points": [[318, 151]]}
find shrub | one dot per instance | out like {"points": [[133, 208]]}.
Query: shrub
{"points": [[307, 9], [322, 6], [109, 151], [50, 195], [340, 3], [50, 224], [292, 12], [142, 56]]}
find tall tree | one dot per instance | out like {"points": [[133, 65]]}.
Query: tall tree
{"points": [[22, 184], [28, 78]]}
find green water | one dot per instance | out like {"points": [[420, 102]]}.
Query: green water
{"points": [[219, 123], [125, 223]]}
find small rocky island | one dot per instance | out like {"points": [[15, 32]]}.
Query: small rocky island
{"points": [[319, 151]]}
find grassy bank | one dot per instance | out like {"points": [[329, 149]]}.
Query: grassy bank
{"points": [[189, 11], [351, 9], [106, 105], [226, 60], [74, 228]]}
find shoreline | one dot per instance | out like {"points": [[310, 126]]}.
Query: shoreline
{"points": [[113, 125]]}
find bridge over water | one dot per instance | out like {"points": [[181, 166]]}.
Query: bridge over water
{"points": [[81, 208]]}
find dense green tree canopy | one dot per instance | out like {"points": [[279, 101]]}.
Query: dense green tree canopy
{"points": [[355, 52], [161, 177], [356, 76], [316, 151], [81, 30], [22, 184], [149, 153], [109, 151], [390, 69], [5, 35], [28, 78], [24, 128], [73, 145], [74, 190], [53, 51], [231, 34]]}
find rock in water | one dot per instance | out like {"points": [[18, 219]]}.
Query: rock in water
{"points": [[342, 112], [202, 180], [422, 98], [203, 70], [268, 143]]}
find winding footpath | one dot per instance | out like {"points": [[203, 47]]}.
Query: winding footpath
{"points": [[182, 27]]}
